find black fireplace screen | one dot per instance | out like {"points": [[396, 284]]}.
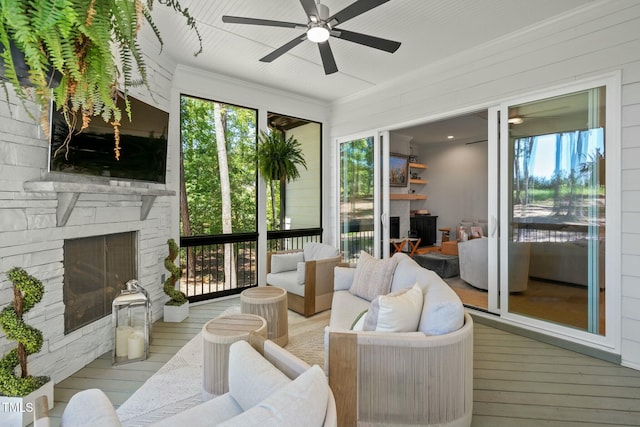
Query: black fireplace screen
{"points": [[95, 270]]}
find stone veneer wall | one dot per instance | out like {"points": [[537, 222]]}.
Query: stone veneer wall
{"points": [[30, 237]]}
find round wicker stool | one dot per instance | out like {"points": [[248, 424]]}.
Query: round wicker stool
{"points": [[269, 302], [218, 335]]}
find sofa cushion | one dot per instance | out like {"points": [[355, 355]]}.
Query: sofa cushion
{"points": [[358, 322], [251, 377], [286, 280], [209, 413], [395, 312], [301, 272], [345, 307], [372, 276], [406, 274], [101, 414], [302, 402], [286, 262], [314, 251], [343, 278], [442, 311]]}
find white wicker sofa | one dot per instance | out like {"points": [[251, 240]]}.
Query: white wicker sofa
{"points": [[419, 377], [274, 388]]}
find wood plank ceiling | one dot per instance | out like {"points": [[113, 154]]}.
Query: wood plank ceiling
{"points": [[429, 30]]}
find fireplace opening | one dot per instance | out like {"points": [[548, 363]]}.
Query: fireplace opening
{"points": [[95, 271]]}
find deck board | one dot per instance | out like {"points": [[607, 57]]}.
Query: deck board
{"points": [[517, 381]]}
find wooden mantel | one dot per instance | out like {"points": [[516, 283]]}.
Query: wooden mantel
{"points": [[69, 192]]}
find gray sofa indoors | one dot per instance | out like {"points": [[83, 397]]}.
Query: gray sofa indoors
{"points": [[564, 262]]}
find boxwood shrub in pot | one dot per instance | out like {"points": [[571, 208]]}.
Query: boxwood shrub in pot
{"points": [[27, 291]]}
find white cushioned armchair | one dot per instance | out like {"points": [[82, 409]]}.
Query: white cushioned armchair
{"points": [[306, 274]]}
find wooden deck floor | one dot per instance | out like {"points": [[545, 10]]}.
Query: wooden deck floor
{"points": [[517, 381]]}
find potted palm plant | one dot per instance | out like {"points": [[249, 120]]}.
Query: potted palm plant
{"points": [[177, 308], [19, 392], [87, 49], [278, 160]]}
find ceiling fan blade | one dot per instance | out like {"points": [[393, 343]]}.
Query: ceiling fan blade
{"points": [[354, 9], [309, 8], [328, 61], [284, 48], [366, 40], [253, 21]]}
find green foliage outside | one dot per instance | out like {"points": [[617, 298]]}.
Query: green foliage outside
{"points": [[356, 177], [201, 173], [28, 291], [177, 297]]}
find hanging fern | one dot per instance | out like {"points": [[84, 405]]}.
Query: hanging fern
{"points": [[177, 297], [27, 291], [73, 40]]}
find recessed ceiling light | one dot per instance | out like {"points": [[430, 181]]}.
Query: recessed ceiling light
{"points": [[515, 120], [450, 137]]}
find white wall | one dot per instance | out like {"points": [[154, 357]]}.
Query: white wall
{"points": [[458, 181], [303, 194], [30, 237], [598, 40]]}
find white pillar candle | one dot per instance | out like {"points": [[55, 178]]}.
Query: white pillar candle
{"points": [[138, 330], [122, 336], [136, 346]]}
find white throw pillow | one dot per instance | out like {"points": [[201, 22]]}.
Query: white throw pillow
{"points": [[90, 408], [372, 276], [358, 322], [286, 262], [251, 377], [302, 402], [315, 251], [301, 273], [396, 312], [343, 278], [442, 311]]}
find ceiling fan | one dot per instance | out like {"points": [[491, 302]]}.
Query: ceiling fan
{"points": [[320, 27]]}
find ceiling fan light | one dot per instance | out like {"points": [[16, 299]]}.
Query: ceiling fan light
{"points": [[318, 34]]}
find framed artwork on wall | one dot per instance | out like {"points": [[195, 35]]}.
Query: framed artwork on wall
{"points": [[398, 170]]}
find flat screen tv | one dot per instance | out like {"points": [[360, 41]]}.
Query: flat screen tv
{"points": [[143, 145]]}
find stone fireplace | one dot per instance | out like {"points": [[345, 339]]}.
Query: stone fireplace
{"points": [[96, 268]]}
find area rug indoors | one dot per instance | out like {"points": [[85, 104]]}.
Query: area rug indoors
{"points": [[177, 386]]}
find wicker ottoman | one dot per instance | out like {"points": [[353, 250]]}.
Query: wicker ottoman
{"points": [[269, 302], [218, 335]]}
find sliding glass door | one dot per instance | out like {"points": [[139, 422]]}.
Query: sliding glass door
{"points": [[361, 168], [554, 216]]}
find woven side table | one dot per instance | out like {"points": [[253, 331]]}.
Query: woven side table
{"points": [[218, 335], [269, 302]]}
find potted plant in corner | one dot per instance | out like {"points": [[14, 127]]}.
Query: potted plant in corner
{"points": [[19, 392], [87, 49], [177, 308]]}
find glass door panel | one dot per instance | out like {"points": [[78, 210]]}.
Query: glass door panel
{"points": [[553, 269], [357, 191]]}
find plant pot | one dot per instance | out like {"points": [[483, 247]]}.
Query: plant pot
{"points": [[18, 411], [22, 69], [176, 313]]}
